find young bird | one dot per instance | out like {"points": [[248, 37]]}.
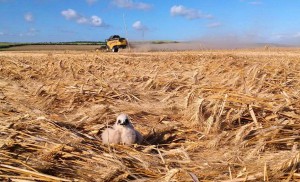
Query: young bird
{"points": [[122, 132]]}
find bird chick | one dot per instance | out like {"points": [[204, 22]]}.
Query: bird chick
{"points": [[122, 132]]}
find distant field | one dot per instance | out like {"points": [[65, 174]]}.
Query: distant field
{"points": [[210, 115], [77, 45], [135, 46], [4, 45], [51, 47]]}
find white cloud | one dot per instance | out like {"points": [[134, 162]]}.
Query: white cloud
{"points": [[90, 2], [28, 17], [276, 36], [288, 37], [130, 4], [255, 2], [96, 21], [82, 20], [71, 14], [139, 26], [67, 31], [296, 35], [31, 32], [189, 13], [285, 35], [213, 25]]}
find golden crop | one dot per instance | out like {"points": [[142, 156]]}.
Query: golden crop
{"points": [[212, 115]]}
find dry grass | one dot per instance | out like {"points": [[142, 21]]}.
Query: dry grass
{"points": [[206, 116]]}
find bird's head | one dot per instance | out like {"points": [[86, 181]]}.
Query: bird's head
{"points": [[123, 120]]}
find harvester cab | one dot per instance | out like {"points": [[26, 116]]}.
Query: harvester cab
{"points": [[115, 42]]}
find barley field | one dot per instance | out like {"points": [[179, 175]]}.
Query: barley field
{"points": [[210, 115]]}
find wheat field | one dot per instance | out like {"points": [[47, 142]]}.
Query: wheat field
{"points": [[210, 115]]}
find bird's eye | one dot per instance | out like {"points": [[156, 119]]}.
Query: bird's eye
{"points": [[119, 121], [126, 121]]}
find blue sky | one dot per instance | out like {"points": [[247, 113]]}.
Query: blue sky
{"points": [[255, 21]]}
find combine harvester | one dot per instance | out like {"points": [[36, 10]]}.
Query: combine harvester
{"points": [[114, 43]]}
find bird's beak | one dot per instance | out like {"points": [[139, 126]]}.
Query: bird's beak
{"points": [[125, 122]]}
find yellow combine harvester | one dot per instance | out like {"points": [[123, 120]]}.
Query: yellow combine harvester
{"points": [[115, 42]]}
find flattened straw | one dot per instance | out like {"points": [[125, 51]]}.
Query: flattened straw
{"points": [[199, 113], [250, 178], [253, 115], [221, 111], [148, 84], [135, 97], [195, 76], [188, 98], [163, 160], [223, 105], [266, 178], [230, 174], [295, 147], [37, 92], [43, 176], [194, 177], [19, 178], [296, 175], [170, 174], [109, 150], [261, 83], [72, 71], [209, 122], [81, 89], [293, 170], [287, 97], [18, 161]]}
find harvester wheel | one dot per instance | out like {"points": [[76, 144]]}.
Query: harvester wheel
{"points": [[115, 49]]}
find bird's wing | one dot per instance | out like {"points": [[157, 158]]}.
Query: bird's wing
{"points": [[111, 136], [128, 136], [139, 137]]}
